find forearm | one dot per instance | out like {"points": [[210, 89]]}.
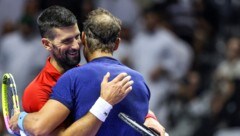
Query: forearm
{"points": [[37, 125], [46, 120], [88, 125], [33, 125]]}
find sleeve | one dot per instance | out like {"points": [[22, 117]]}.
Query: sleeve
{"points": [[63, 91]]}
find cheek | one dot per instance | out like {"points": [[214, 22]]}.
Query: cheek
{"points": [[63, 49], [59, 51]]}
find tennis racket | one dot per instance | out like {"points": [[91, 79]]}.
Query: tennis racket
{"points": [[145, 131], [10, 101]]}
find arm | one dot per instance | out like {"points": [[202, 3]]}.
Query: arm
{"points": [[53, 113], [43, 122]]}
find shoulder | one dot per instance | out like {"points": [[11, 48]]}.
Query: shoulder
{"points": [[35, 96], [83, 72], [133, 73], [36, 88], [83, 69]]}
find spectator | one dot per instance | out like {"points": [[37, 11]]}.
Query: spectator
{"points": [[160, 56]]}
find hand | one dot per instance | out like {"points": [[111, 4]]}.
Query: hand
{"points": [[154, 124], [114, 91], [13, 123]]}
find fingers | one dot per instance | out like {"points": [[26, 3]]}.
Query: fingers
{"points": [[115, 90], [119, 77], [13, 123], [127, 87], [125, 80], [106, 77], [128, 90]]}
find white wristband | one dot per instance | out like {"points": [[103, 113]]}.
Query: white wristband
{"points": [[101, 109]]}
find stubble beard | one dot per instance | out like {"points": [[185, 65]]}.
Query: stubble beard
{"points": [[67, 62]]}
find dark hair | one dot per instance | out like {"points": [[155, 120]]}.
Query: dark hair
{"points": [[102, 30], [54, 17]]}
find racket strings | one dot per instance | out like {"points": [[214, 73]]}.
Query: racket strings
{"points": [[10, 99], [14, 92]]}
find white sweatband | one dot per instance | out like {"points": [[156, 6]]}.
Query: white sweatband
{"points": [[101, 109]]}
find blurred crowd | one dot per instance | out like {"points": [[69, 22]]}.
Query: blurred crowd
{"points": [[187, 50]]}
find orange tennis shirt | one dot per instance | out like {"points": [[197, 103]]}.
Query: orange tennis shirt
{"points": [[38, 91]]}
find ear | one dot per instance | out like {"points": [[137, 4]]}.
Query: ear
{"points": [[46, 44], [83, 38], [117, 42]]}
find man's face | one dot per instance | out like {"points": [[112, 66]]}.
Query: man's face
{"points": [[66, 46]]}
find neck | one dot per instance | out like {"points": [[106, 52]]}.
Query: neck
{"points": [[98, 54], [56, 65]]}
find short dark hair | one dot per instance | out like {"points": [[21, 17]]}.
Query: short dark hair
{"points": [[54, 17], [102, 30]]}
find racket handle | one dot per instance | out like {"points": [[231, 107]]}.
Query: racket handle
{"points": [[154, 132], [157, 134]]}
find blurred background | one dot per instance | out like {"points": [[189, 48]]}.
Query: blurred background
{"points": [[187, 50]]}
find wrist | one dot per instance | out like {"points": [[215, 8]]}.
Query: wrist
{"points": [[101, 109], [21, 118], [149, 115]]}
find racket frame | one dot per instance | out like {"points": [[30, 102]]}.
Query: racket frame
{"points": [[138, 127], [8, 84]]}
